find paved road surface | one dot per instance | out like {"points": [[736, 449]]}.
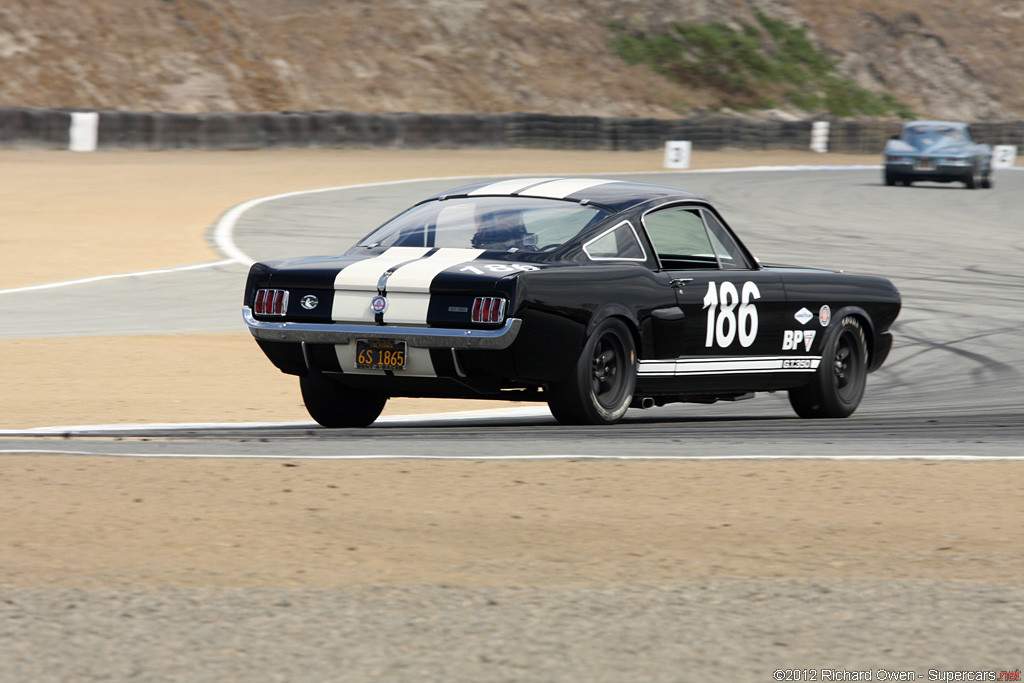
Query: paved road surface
{"points": [[952, 384]]}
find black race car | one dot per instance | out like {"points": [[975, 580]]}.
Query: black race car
{"points": [[591, 295]]}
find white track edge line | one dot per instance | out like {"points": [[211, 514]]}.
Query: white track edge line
{"points": [[100, 278], [224, 227], [530, 411], [546, 456]]}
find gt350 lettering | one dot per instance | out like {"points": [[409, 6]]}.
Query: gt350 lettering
{"points": [[731, 314]]}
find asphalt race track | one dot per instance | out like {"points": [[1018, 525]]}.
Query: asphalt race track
{"points": [[951, 387]]}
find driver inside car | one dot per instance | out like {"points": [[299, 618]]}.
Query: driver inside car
{"points": [[502, 230]]}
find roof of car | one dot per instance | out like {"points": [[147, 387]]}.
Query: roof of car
{"points": [[953, 124], [615, 194]]}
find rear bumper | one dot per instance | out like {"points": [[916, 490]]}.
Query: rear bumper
{"points": [[913, 171], [418, 337]]}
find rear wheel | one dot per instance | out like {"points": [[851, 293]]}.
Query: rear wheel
{"points": [[333, 404], [986, 180], [838, 384], [600, 387]]}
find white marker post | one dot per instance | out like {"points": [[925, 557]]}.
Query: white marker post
{"points": [[84, 131], [677, 154], [1004, 156], [819, 136]]}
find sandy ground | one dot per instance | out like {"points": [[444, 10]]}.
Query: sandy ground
{"points": [[96, 521], [116, 522]]}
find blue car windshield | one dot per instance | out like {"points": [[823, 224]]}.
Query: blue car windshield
{"points": [[492, 223], [924, 136]]}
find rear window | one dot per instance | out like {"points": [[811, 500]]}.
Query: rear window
{"points": [[922, 136], [492, 223]]}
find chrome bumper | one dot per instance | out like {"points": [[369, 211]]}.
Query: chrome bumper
{"points": [[420, 337]]}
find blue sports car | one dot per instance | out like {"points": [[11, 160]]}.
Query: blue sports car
{"points": [[938, 151]]}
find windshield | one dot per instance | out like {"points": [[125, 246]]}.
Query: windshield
{"points": [[492, 223], [922, 136]]}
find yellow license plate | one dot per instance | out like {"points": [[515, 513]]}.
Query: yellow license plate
{"points": [[380, 355]]}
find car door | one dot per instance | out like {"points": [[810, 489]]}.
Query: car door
{"points": [[732, 310]]}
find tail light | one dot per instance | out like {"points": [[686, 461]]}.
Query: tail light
{"points": [[488, 309], [270, 302]]}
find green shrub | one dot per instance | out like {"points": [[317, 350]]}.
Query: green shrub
{"points": [[754, 67]]}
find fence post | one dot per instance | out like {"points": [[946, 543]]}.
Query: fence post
{"points": [[83, 131], [819, 136]]}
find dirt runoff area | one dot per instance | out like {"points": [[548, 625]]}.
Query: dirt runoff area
{"points": [[97, 521]]}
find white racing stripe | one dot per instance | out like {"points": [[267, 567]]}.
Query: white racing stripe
{"points": [[356, 285], [723, 366], [560, 189], [509, 187], [408, 288], [363, 275], [417, 276]]}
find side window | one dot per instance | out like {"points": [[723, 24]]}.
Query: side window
{"points": [[616, 244], [680, 239], [730, 255]]}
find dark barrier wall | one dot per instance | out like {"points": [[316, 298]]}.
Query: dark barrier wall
{"points": [[49, 129]]}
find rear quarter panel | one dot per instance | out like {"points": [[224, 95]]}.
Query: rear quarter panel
{"points": [[874, 299], [561, 306]]}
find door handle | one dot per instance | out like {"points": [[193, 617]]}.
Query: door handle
{"points": [[679, 282], [669, 315]]}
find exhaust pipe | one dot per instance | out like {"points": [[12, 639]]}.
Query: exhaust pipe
{"points": [[646, 402]]}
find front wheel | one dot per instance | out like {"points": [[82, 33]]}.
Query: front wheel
{"points": [[838, 384], [600, 387], [333, 404], [974, 180]]}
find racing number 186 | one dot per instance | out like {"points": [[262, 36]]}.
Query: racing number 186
{"points": [[725, 320]]}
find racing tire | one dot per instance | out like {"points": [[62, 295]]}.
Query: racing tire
{"points": [[891, 179], [986, 181], [974, 180], [838, 384], [600, 387], [336, 405]]}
